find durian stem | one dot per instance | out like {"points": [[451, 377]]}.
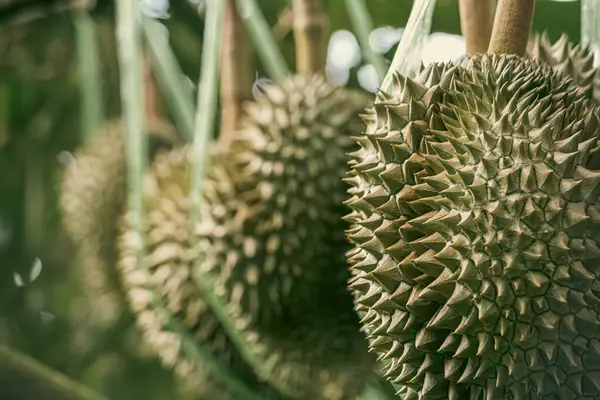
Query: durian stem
{"points": [[363, 26], [476, 20], [309, 22], [236, 72], [263, 39], [53, 384], [152, 101], [512, 26], [92, 114]]}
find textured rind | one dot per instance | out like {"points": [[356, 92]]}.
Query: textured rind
{"points": [[92, 198], [169, 276], [475, 222], [272, 238], [568, 59]]}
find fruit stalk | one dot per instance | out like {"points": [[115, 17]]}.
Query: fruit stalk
{"points": [[236, 72], [153, 104], [309, 35], [476, 20], [512, 25]]}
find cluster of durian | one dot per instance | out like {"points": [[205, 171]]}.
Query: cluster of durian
{"points": [[570, 60], [271, 239], [476, 220]]}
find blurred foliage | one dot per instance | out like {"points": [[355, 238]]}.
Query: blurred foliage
{"points": [[40, 125]]}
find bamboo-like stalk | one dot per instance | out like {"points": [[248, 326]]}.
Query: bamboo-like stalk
{"points": [[129, 50], [236, 72], [512, 26], [476, 20], [363, 26], [309, 23], [204, 125], [153, 103], [92, 115], [169, 77], [50, 384], [262, 37], [284, 24]]}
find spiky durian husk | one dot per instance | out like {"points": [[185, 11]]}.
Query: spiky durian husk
{"points": [[169, 278], [475, 220], [273, 239], [273, 236], [568, 59], [93, 194]]}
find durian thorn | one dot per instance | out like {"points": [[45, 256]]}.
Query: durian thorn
{"points": [[512, 26], [236, 73], [309, 22], [476, 19]]}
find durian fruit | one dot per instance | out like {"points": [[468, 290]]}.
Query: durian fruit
{"points": [[476, 223], [271, 237], [169, 278], [569, 59], [93, 193]]}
